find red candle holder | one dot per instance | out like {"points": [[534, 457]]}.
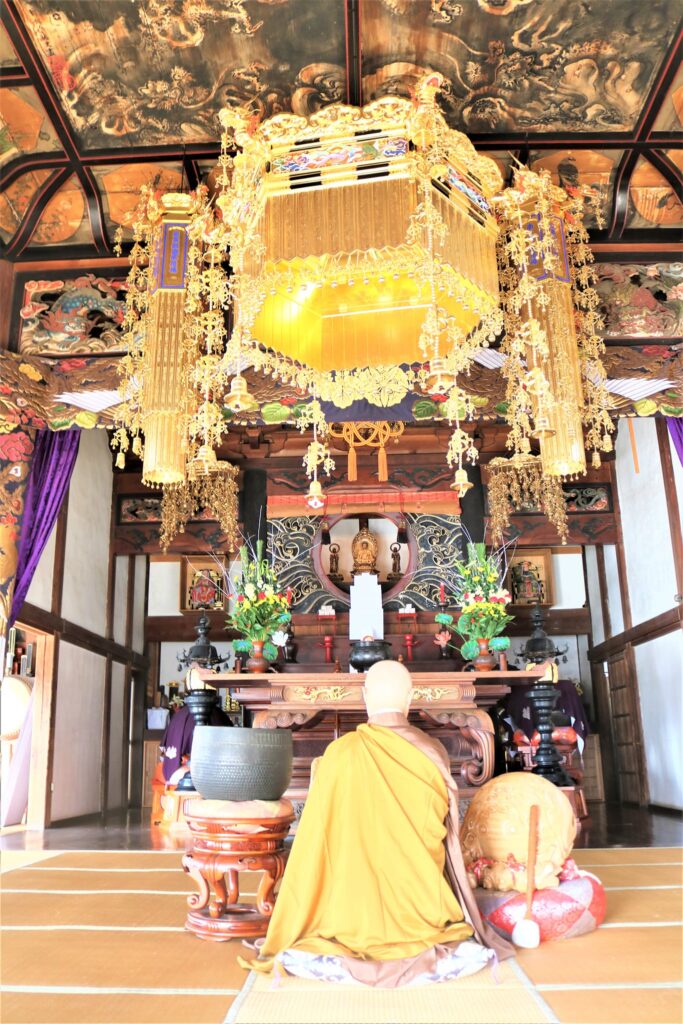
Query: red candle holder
{"points": [[328, 647], [410, 643]]}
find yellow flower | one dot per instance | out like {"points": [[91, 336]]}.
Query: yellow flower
{"points": [[30, 371], [85, 419]]}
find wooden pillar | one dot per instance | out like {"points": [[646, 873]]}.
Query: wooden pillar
{"points": [[16, 452]]}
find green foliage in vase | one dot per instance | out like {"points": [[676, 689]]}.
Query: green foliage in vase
{"points": [[260, 607]]}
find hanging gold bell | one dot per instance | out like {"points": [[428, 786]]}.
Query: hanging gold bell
{"points": [[238, 399], [204, 463], [461, 484], [315, 497]]}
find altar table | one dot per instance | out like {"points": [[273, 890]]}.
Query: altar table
{"points": [[320, 707]]}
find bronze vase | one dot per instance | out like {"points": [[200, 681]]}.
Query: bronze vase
{"points": [[485, 660], [256, 662]]}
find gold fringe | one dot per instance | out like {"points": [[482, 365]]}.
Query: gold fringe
{"points": [[352, 467], [382, 468]]}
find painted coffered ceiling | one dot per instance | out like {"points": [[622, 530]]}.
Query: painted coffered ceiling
{"points": [[98, 98]]}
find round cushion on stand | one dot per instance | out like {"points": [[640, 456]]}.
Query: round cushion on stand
{"points": [[575, 907]]}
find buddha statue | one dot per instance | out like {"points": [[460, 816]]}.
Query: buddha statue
{"points": [[364, 549]]}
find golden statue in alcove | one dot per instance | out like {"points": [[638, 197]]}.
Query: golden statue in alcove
{"points": [[364, 549]]}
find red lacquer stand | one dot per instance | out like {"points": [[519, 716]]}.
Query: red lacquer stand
{"points": [[221, 850]]}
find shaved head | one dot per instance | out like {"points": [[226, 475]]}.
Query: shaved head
{"points": [[388, 687]]}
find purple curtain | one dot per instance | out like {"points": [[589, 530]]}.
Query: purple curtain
{"points": [[676, 430], [53, 461]]}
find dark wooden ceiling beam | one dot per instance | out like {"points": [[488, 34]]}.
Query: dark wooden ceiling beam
{"points": [[622, 180], [663, 82], [191, 172], [31, 218], [667, 168], [47, 94], [14, 76], [21, 165], [98, 224], [354, 70]]}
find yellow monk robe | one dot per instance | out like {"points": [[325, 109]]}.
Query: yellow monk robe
{"points": [[365, 878]]}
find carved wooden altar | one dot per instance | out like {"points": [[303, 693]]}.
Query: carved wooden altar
{"points": [[320, 707]]}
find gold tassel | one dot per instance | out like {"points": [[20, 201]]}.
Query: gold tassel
{"points": [[382, 468], [352, 468]]}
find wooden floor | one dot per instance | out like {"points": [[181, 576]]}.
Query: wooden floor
{"points": [[610, 825]]}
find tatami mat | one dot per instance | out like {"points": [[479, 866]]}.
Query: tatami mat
{"points": [[636, 855], [75, 950], [96, 1008], [608, 956], [480, 999], [617, 1006]]}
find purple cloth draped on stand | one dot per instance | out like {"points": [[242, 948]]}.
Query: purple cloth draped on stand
{"points": [[519, 709], [177, 741], [676, 431], [53, 461]]}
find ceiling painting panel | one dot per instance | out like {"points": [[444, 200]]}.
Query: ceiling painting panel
{"points": [[641, 300], [71, 317], [120, 189], [8, 56], [522, 65], [592, 168], [670, 116], [157, 72], [65, 218], [24, 126], [652, 200], [15, 200]]}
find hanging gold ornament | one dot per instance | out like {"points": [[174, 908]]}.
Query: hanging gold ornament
{"points": [[216, 493], [518, 484]]}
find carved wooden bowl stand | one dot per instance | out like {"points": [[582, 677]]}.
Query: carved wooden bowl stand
{"points": [[223, 848]]}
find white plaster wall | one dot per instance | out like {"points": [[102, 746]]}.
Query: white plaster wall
{"points": [[576, 667], [78, 732], [139, 603], [678, 474], [120, 597], [86, 559], [593, 584], [659, 666], [40, 591], [645, 523], [570, 591], [616, 614], [116, 733], [168, 666], [164, 588]]}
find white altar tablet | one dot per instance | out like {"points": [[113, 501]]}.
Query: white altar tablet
{"points": [[366, 617]]}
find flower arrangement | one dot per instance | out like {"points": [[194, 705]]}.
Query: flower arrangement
{"points": [[482, 597], [481, 619], [260, 607]]}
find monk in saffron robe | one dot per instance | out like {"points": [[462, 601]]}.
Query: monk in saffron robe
{"points": [[375, 889]]}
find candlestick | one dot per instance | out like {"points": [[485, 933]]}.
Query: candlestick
{"points": [[290, 594], [442, 594]]}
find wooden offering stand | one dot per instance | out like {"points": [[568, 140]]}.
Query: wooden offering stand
{"points": [[321, 706], [225, 845]]}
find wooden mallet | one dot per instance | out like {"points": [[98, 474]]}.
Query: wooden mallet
{"points": [[526, 932]]}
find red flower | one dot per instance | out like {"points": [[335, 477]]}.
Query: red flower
{"points": [[660, 351], [16, 447], [8, 519], [261, 595], [439, 398], [66, 365], [240, 598]]}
